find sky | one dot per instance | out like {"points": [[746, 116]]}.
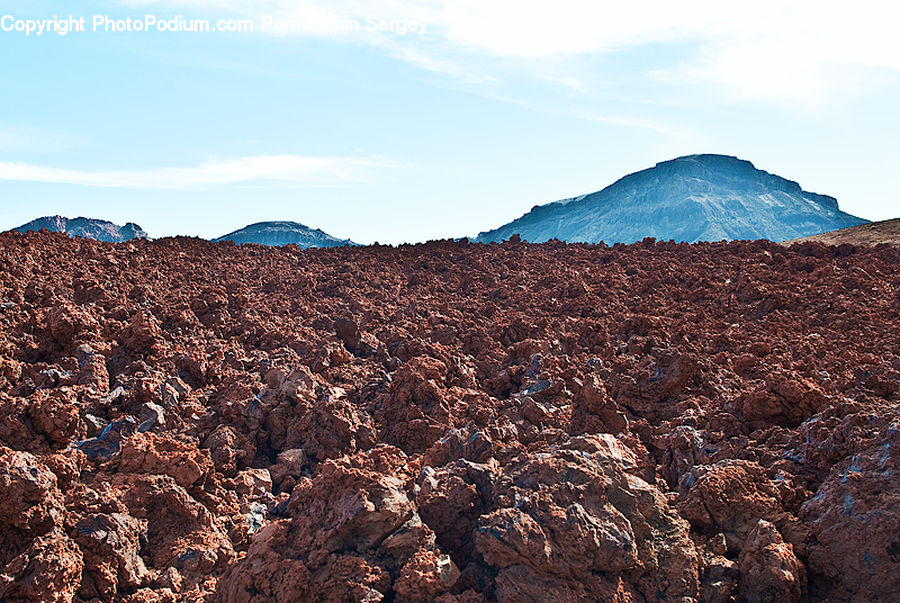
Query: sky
{"points": [[396, 121]]}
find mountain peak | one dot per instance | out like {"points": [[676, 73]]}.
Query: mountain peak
{"points": [[703, 197], [90, 228], [284, 232], [710, 159]]}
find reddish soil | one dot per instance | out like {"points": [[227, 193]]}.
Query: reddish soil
{"points": [[886, 231], [187, 421]]}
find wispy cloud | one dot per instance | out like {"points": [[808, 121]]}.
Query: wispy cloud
{"points": [[800, 53], [635, 122], [272, 169], [24, 138]]}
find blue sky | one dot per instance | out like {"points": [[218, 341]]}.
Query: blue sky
{"points": [[377, 136]]}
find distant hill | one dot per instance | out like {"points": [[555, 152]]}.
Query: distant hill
{"points": [[873, 233], [284, 233], [90, 228], [692, 198]]}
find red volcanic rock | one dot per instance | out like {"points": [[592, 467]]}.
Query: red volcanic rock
{"points": [[69, 324], [783, 400], [769, 570], [55, 415], [648, 386], [92, 370], [289, 466], [164, 455], [252, 482], [426, 576], [416, 411], [575, 516], [594, 411], [730, 497], [10, 372], [330, 355], [141, 335], [181, 532], [49, 570], [111, 544], [451, 499], [854, 520], [352, 534], [451, 422], [40, 562], [30, 500], [229, 450], [468, 443]]}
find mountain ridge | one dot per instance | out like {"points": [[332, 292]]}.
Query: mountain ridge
{"points": [[702, 197], [692, 198], [92, 228], [283, 232]]}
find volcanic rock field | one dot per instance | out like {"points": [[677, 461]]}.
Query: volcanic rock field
{"points": [[189, 421]]}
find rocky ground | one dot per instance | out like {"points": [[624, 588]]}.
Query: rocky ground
{"points": [[188, 421]]}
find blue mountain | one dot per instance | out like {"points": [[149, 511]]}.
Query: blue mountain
{"points": [[692, 198], [284, 233], [90, 228]]}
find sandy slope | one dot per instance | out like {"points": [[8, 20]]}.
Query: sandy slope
{"points": [[886, 231]]}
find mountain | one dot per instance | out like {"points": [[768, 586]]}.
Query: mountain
{"points": [[692, 198], [90, 228], [871, 234], [284, 233]]}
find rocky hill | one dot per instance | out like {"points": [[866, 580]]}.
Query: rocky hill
{"points": [[91, 228], [189, 421], [693, 198], [276, 234], [886, 231]]}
